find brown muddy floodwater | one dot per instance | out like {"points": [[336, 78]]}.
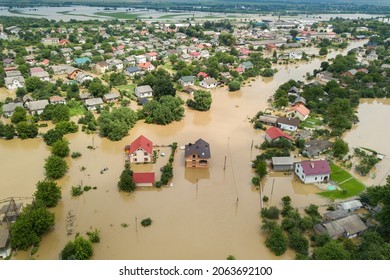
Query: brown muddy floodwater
{"points": [[371, 132], [215, 218]]}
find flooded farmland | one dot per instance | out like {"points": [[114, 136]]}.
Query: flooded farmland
{"points": [[206, 214]]}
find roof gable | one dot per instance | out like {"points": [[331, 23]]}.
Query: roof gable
{"points": [[143, 143]]}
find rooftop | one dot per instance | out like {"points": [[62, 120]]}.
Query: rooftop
{"points": [[315, 167]]}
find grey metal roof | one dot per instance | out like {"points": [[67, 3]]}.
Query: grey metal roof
{"points": [[282, 161], [94, 101], [143, 89], [337, 214], [350, 205], [37, 105], [268, 118], [200, 148], [111, 95], [10, 107], [349, 225]]}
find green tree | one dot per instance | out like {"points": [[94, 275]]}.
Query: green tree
{"points": [[270, 213], [34, 83], [34, 220], [97, 89], [7, 131], [48, 192], [277, 241], [126, 182], [19, 115], [323, 51], [56, 113], [78, 249], [261, 169], [294, 33], [60, 148], [332, 250], [298, 242], [55, 167], [164, 111], [163, 87], [234, 85], [52, 136], [227, 39], [26, 130], [202, 100], [116, 124], [340, 148], [65, 127]]}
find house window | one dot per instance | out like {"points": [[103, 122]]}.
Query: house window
{"points": [[146, 159], [135, 160], [193, 156], [145, 153], [315, 178]]}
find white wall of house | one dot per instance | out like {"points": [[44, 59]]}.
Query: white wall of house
{"points": [[14, 85], [296, 114], [287, 127], [311, 178], [206, 85], [140, 156]]}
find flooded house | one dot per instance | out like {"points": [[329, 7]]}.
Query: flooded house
{"points": [[282, 163], [316, 147], [298, 111], [274, 134], [197, 154], [93, 103], [140, 150], [143, 91], [313, 171], [4, 243], [349, 227], [288, 123], [8, 109], [144, 179]]}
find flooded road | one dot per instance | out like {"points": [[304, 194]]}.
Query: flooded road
{"points": [[211, 219]]}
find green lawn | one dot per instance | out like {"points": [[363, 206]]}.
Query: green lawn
{"points": [[120, 15], [129, 88], [312, 122], [76, 108], [350, 188]]}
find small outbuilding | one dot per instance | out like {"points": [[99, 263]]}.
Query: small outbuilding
{"points": [[282, 163], [144, 179]]}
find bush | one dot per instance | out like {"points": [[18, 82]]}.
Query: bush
{"points": [[234, 85], [55, 167], [60, 148], [48, 192], [52, 136], [78, 249], [146, 222], [76, 154], [94, 236], [126, 182], [76, 191], [270, 213], [255, 181]]}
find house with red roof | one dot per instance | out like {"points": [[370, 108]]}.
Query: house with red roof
{"points": [[313, 171], [146, 66], [140, 150], [298, 111], [152, 56], [205, 75], [275, 133], [144, 179], [63, 42]]}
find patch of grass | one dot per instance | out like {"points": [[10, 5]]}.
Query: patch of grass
{"points": [[174, 16], [349, 188], [129, 88], [119, 15], [311, 122], [76, 108]]}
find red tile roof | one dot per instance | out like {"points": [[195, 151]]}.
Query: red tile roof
{"points": [[152, 54], [301, 109], [144, 65], [142, 178], [143, 143], [315, 167], [274, 133], [205, 75]]}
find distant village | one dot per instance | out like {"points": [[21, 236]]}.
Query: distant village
{"points": [[97, 68]]}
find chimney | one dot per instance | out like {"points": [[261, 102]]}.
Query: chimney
{"points": [[312, 164]]}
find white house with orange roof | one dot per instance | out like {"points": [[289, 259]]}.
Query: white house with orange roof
{"points": [[140, 150], [298, 111]]}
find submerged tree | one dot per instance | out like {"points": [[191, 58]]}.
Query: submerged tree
{"points": [[126, 182]]}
